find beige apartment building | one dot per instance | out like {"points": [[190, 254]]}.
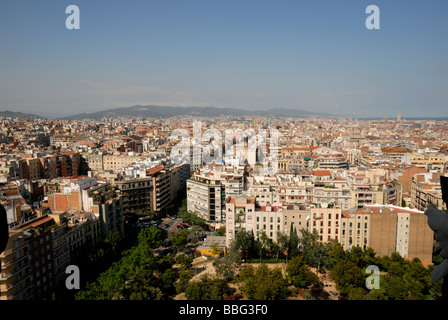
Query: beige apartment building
{"points": [[425, 189], [95, 161], [384, 228], [374, 186], [116, 163], [14, 278], [326, 222], [430, 161], [388, 229], [240, 216], [245, 214]]}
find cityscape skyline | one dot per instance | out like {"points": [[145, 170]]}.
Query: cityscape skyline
{"points": [[310, 55]]}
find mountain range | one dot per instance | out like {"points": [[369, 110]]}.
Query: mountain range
{"points": [[20, 115], [152, 111], [161, 112]]}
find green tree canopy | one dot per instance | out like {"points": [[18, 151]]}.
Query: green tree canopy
{"points": [[299, 274], [262, 283], [347, 275], [151, 236], [207, 288]]}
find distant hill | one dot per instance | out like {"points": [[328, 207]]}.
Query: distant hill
{"points": [[152, 111], [14, 114]]}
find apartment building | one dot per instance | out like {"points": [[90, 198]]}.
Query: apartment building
{"points": [[136, 193], [291, 157], [40, 255], [326, 222], [179, 176], [331, 191], [35, 258], [374, 186], [31, 169], [402, 230], [83, 232], [430, 161], [425, 189], [206, 197], [208, 189], [15, 283], [116, 163], [355, 229], [10, 168], [245, 214], [40, 249], [91, 196], [15, 205], [240, 216], [49, 165], [154, 191], [269, 219], [327, 158], [161, 191], [385, 228], [94, 161], [285, 188]]}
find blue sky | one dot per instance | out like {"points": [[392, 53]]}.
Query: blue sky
{"points": [[308, 54]]}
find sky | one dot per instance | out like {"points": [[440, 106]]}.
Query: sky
{"points": [[313, 55]]}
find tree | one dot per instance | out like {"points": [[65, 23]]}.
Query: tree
{"points": [[395, 288], [113, 242], [184, 261], [262, 283], [195, 230], [356, 256], [357, 293], [225, 266], [151, 236], [293, 243], [347, 275], [221, 231], [215, 250], [336, 253], [179, 239], [137, 275], [275, 248], [245, 242], [283, 243], [318, 292], [206, 288], [263, 244], [185, 271], [299, 274], [313, 251]]}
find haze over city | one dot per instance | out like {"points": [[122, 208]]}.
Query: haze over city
{"points": [[310, 55]]}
